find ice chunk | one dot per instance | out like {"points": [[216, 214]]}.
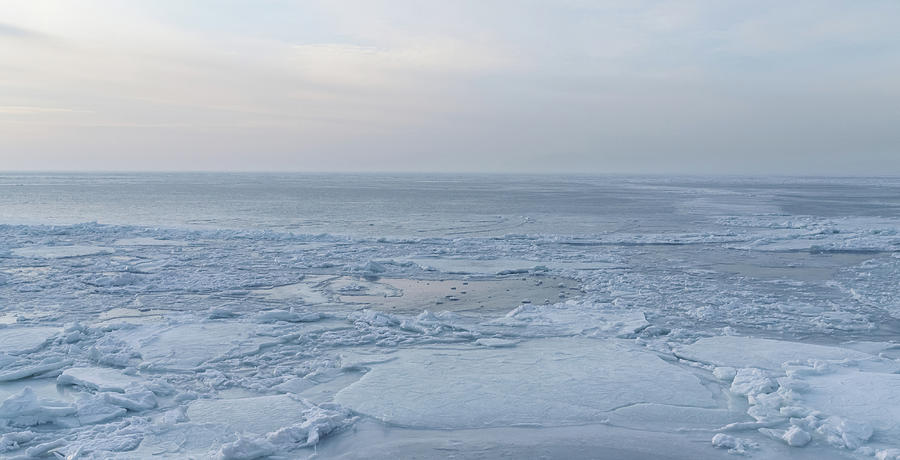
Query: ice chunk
{"points": [[496, 343], [43, 449], [246, 449], [841, 432], [21, 370], [98, 378], [374, 318], [724, 373], [735, 445], [26, 409], [737, 351], [545, 382], [290, 316], [315, 423], [751, 382], [796, 437], [94, 409], [13, 441], [15, 340], [134, 401]]}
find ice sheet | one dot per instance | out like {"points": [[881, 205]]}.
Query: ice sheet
{"points": [[547, 382]]}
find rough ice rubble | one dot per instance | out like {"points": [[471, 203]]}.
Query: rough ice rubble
{"points": [[26, 409], [572, 318], [835, 395], [734, 444]]}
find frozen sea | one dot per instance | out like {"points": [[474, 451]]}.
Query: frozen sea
{"points": [[243, 316]]}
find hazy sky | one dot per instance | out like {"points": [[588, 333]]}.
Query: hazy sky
{"points": [[687, 86]]}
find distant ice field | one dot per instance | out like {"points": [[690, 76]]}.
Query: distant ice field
{"points": [[242, 316]]}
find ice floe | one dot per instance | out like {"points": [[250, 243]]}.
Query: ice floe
{"points": [[545, 382]]}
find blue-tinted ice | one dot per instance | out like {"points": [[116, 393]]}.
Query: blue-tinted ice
{"points": [[375, 316]]}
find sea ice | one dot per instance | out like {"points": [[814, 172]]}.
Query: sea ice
{"points": [[869, 397], [60, 252], [735, 445], [187, 346], [148, 241], [305, 292], [14, 340], [573, 318], [98, 378], [257, 415], [27, 409], [796, 437], [735, 351], [267, 424], [545, 382]]}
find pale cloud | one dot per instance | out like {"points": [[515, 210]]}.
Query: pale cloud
{"points": [[536, 85], [30, 110]]}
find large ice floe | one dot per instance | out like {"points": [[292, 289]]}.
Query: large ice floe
{"points": [[545, 382], [673, 319]]}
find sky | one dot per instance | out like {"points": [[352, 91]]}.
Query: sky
{"points": [[557, 86]]}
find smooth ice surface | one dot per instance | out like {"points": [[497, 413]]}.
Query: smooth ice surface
{"points": [[543, 382], [22, 339], [762, 353], [257, 415]]}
